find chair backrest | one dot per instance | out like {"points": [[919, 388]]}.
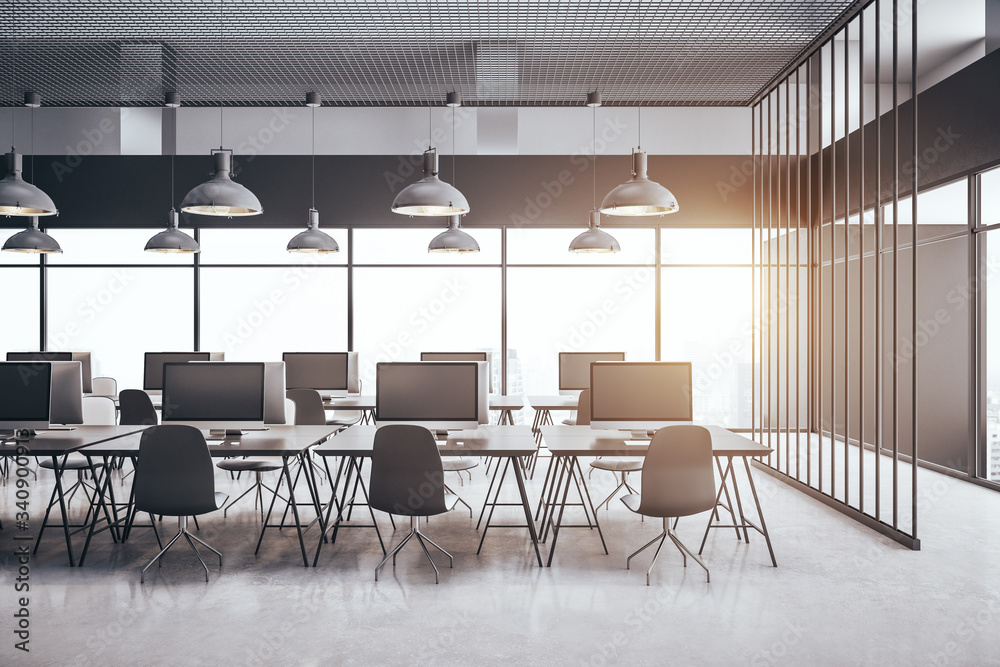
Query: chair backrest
{"points": [[136, 408], [174, 474], [289, 411], [407, 477], [677, 474], [583, 409], [98, 411], [104, 386], [308, 407]]}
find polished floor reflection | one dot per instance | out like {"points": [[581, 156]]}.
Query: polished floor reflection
{"points": [[841, 594]]}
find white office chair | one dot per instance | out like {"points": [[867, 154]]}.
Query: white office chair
{"points": [[105, 386], [615, 465], [97, 411], [678, 480]]}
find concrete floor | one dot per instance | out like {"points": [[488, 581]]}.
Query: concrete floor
{"points": [[841, 594]]}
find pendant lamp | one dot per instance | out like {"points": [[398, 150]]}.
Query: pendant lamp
{"points": [[172, 240], [32, 239], [17, 196], [313, 239], [453, 239], [430, 196], [594, 239], [639, 196]]}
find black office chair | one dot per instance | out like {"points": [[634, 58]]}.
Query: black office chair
{"points": [[407, 479], [678, 480], [135, 408], [175, 476], [309, 409]]}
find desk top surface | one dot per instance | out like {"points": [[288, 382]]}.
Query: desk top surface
{"points": [[560, 402], [53, 443], [585, 441], [277, 440], [487, 440], [496, 401]]}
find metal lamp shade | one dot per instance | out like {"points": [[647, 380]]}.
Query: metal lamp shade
{"points": [[430, 196], [221, 195], [453, 239], [33, 240], [594, 239], [172, 239], [639, 195], [313, 239], [18, 197]]}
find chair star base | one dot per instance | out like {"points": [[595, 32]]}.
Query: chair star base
{"points": [[661, 538], [415, 531], [182, 529]]}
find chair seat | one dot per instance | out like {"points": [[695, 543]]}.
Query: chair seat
{"points": [[633, 464], [454, 464], [258, 465], [631, 501], [74, 461], [220, 499], [450, 500], [569, 422]]}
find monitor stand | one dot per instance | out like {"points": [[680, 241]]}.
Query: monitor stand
{"points": [[226, 432], [638, 434]]}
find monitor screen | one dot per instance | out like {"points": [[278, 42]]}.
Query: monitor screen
{"points": [[463, 356], [67, 393], [152, 373], [24, 395], [639, 395], [574, 367], [326, 372], [214, 395], [82, 357], [439, 395]]}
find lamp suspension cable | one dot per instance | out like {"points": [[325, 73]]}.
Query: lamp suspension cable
{"points": [[13, 76], [593, 150], [313, 165]]}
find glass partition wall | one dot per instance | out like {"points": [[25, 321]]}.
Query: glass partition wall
{"points": [[853, 308]]}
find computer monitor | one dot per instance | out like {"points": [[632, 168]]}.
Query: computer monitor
{"points": [[274, 392], [574, 368], [24, 396], [223, 396], [82, 357], [329, 373], [67, 393], [152, 373], [639, 395], [464, 356], [438, 395]]}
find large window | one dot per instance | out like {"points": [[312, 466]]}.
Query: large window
{"points": [[556, 305], [391, 299], [989, 214], [120, 313]]}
